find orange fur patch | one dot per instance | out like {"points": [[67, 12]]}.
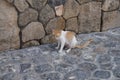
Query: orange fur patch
{"points": [[56, 32], [70, 35]]}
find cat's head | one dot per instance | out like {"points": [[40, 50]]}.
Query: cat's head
{"points": [[56, 33]]}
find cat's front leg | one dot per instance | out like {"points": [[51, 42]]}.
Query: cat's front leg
{"points": [[62, 46], [58, 45]]}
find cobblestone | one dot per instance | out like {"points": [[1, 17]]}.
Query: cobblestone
{"points": [[98, 61]]}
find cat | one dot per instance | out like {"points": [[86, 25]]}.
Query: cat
{"points": [[67, 38]]}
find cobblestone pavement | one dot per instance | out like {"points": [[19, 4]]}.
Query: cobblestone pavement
{"points": [[99, 61]]}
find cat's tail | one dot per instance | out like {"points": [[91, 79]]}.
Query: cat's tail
{"points": [[85, 44]]}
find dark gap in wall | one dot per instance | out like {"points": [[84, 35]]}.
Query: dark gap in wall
{"points": [[20, 36], [101, 19], [77, 2], [101, 22], [65, 22], [112, 10], [20, 33]]}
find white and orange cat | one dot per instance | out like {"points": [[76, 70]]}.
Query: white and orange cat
{"points": [[67, 38]]}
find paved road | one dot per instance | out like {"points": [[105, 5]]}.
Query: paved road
{"points": [[99, 61]]}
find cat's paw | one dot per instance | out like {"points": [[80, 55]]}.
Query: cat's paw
{"points": [[60, 51], [56, 47]]}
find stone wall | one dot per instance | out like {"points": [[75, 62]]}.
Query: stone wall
{"points": [[26, 23]]}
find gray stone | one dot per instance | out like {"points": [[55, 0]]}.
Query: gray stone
{"points": [[43, 68], [31, 77], [71, 9], [48, 39], [116, 71], [102, 74], [70, 59], [111, 20], [115, 31], [27, 16], [21, 5], [89, 17], [106, 66], [72, 25], [9, 31], [84, 1], [9, 76], [110, 44], [51, 76], [10, 1], [63, 68], [46, 14], [87, 66], [103, 59], [117, 60], [24, 67], [37, 4], [59, 23], [119, 8], [110, 5], [77, 75], [30, 44], [76, 52], [114, 52], [32, 31], [59, 10], [93, 79], [54, 3]]}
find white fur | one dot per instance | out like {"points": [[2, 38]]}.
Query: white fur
{"points": [[62, 41]]}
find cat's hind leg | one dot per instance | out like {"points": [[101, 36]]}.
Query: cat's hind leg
{"points": [[68, 50]]}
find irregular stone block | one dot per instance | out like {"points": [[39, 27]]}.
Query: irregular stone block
{"points": [[32, 31], [111, 20], [46, 14], [51, 76], [24, 67], [54, 3], [102, 74], [31, 43], [71, 9], [31, 77], [110, 5], [63, 68], [48, 39], [106, 66], [116, 71], [114, 52], [43, 68], [72, 25], [77, 75], [8, 76], [27, 16], [83, 1], [56, 23], [10, 1], [21, 5], [103, 59], [9, 31], [37, 4], [89, 17], [87, 66], [70, 59], [117, 60], [59, 10]]}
